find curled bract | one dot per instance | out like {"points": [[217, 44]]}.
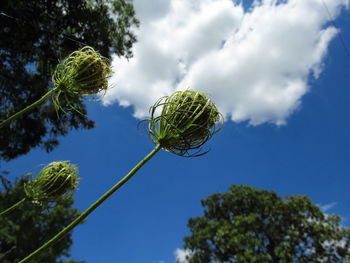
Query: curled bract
{"points": [[188, 119], [55, 180], [83, 72]]}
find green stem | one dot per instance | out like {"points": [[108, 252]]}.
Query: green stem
{"points": [[89, 210], [12, 207], [28, 108]]}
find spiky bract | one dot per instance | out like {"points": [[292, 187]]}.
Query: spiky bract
{"points": [[83, 72], [188, 119], [55, 180]]}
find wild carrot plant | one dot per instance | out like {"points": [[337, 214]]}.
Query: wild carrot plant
{"points": [[55, 180], [187, 120], [82, 73]]}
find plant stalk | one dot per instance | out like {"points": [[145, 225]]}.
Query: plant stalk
{"points": [[96, 204], [28, 108], [12, 207]]}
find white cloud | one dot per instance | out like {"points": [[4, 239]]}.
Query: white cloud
{"points": [[325, 208], [181, 255], [254, 64]]}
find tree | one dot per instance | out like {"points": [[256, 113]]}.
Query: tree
{"points": [[28, 226], [34, 36], [247, 225]]}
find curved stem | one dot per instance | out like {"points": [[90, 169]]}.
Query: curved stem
{"points": [[89, 210], [12, 207], [28, 108]]}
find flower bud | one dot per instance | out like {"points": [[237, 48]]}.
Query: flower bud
{"points": [[83, 72], [188, 119], [54, 181]]}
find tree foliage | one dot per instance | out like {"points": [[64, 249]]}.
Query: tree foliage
{"points": [[28, 226], [34, 36], [247, 225]]}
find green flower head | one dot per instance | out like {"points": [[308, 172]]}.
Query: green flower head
{"points": [[55, 180], [188, 119], [83, 72]]}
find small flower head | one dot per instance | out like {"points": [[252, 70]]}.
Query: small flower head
{"points": [[188, 119], [54, 181], [83, 72]]}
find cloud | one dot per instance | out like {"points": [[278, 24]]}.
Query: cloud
{"points": [[255, 64], [181, 254], [325, 208]]}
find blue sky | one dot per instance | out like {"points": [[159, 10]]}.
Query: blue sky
{"points": [[305, 150]]}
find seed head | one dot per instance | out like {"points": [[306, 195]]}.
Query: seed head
{"points": [[55, 180], [188, 119], [83, 72]]}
